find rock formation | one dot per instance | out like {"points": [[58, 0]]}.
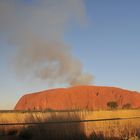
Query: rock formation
{"points": [[80, 97]]}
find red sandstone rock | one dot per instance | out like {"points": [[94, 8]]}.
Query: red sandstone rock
{"points": [[80, 97]]}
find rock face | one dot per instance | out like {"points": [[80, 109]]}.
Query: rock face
{"points": [[80, 97]]}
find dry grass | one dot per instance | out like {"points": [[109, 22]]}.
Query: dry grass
{"points": [[118, 129], [122, 129]]}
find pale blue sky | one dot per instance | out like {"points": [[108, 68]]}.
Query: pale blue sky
{"points": [[108, 47]]}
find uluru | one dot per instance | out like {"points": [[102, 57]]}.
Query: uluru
{"points": [[79, 97]]}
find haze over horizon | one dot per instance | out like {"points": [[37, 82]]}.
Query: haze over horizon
{"points": [[48, 44]]}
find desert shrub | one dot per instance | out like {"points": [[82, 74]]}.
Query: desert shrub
{"points": [[112, 105], [126, 106]]}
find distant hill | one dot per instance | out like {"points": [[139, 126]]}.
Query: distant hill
{"points": [[80, 97]]}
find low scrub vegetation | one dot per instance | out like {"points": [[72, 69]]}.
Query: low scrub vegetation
{"points": [[103, 130], [127, 106], [112, 105]]}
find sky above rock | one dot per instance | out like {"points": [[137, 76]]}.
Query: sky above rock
{"points": [[48, 44]]}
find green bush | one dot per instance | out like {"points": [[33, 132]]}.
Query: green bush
{"points": [[112, 105]]}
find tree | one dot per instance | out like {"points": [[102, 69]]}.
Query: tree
{"points": [[112, 105]]}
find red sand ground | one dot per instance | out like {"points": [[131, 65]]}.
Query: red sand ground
{"points": [[80, 97]]}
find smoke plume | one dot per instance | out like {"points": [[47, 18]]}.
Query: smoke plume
{"points": [[37, 29]]}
